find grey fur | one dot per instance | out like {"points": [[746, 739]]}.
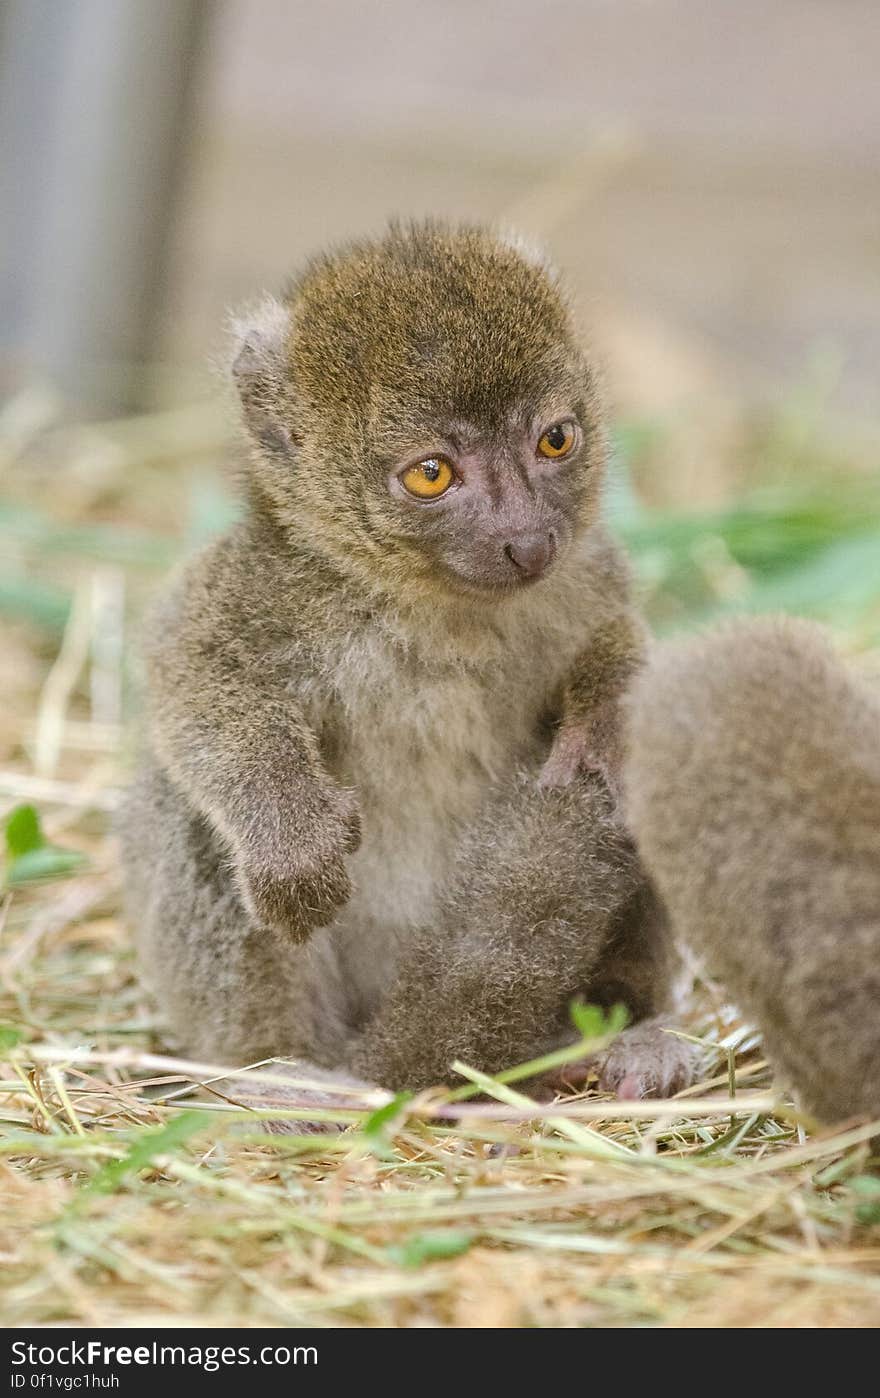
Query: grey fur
{"points": [[753, 787]]}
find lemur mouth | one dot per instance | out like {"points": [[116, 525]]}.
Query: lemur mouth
{"points": [[501, 585]]}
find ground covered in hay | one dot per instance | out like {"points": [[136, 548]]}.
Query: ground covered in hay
{"points": [[132, 1192]]}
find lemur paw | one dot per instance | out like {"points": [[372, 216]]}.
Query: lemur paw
{"points": [[646, 1060], [303, 885], [583, 750]]}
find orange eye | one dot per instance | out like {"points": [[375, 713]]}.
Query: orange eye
{"points": [[558, 440], [428, 479]]}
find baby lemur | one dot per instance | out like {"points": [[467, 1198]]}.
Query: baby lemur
{"points": [[376, 826], [753, 786]]}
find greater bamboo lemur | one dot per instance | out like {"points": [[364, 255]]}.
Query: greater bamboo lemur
{"points": [[376, 824]]}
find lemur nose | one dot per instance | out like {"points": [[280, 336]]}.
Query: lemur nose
{"points": [[532, 553]]}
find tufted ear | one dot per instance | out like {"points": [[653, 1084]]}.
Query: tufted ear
{"points": [[529, 249], [258, 370]]}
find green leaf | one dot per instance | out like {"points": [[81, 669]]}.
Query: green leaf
{"points": [[23, 832], [431, 1247], [29, 856], [149, 1144], [375, 1128], [45, 863], [588, 1020], [591, 1022], [10, 1036], [618, 1019], [377, 1121]]}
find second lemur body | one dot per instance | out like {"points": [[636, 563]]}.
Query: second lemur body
{"points": [[376, 824]]}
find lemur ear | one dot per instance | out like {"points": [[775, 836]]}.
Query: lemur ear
{"points": [[260, 334], [529, 249]]}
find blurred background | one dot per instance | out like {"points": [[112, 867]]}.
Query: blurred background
{"points": [[707, 174]]}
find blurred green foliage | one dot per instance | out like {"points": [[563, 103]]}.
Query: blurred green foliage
{"points": [[806, 547]]}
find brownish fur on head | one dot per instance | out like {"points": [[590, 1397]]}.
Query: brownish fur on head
{"points": [[437, 345]]}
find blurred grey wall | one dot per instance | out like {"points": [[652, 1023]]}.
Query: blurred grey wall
{"points": [[93, 123], [708, 172]]}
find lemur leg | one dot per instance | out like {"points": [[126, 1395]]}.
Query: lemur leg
{"points": [[554, 906]]}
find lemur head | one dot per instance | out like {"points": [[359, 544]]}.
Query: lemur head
{"points": [[420, 412]]}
